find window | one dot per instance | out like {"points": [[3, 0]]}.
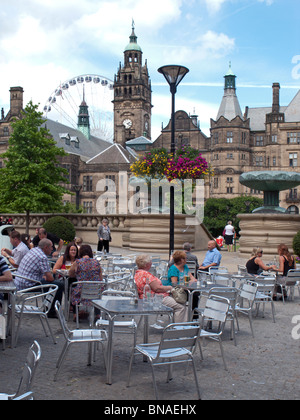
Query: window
{"points": [[229, 180], [243, 156], [87, 183], [88, 207], [229, 155], [293, 138], [244, 138], [229, 137], [216, 182], [274, 161], [274, 138], [216, 138], [259, 140], [216, 156], [229, 190], [293, 157], [258, 161], [293, 210]]}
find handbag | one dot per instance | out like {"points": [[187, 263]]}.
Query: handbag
{"points": [[179, 295]]}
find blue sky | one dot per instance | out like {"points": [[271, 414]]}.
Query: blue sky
{"points": [[45, 42]]}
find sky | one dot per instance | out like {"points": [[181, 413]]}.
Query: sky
{"points": [[44, 43]]}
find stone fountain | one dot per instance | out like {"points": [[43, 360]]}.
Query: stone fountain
{"points": [[270, 225]]}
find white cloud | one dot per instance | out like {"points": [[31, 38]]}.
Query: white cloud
{"points": [[214, 6]]}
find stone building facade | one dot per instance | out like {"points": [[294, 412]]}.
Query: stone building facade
{"points": [[258, 139]]}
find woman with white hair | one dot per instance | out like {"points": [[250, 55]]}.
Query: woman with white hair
{"points": [[144, 264]]}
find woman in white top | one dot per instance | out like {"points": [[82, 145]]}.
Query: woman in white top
{"points": [[229, 233]]}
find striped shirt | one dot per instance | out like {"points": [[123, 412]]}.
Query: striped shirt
{"points": [[33, 266], [3, 266]]}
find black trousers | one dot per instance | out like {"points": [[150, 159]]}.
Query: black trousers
{"points": [[103, 244]]}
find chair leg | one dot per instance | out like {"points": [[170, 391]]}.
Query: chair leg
{"points": [[50, 330], [251, 323], [196, 378], [154, 382], [222, 352], [61, 359]]}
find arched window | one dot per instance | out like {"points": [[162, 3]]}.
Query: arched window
{"points": [[293, 210]]}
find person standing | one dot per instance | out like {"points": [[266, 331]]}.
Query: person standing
{"points": [[104, 236], [229, 234]]}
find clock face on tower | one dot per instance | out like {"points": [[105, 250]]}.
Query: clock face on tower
{"points": [[127, 123]]}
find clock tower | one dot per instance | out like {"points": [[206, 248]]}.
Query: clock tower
{"points": [[132, 96]]}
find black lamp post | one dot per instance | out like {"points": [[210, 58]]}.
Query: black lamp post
{"points": [[77, 189], [173, 75]]}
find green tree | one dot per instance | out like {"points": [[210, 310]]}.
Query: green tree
{"points": [[31, 176], [218, 211]]}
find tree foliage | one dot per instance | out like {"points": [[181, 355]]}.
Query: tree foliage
{"points": [[31, 176], [218, 211]]}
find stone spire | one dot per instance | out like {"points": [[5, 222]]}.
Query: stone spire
{"points": [[230, 107]]}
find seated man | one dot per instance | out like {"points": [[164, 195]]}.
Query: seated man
{"points": [[35, 266], [19, 251], [212, 258]]}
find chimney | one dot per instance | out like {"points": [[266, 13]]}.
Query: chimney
{"points": [[276, 105], [16, 101]]}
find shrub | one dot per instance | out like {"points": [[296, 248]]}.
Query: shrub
{"points": [[61, 227], [296, 244]]}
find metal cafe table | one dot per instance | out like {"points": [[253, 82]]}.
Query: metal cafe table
{"points": [[115, 307], [9, 288]]}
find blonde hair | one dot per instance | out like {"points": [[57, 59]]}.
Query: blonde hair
{"points": [[256, 251], [143, 260]]}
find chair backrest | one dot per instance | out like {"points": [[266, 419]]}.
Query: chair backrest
{"points": [[266, 285], [29, 370], [62, 320], [219, 269], [216, 309], [293, 276], [192, 265], [120, 281], [91, 290], [49, 297], [248, 291], [184, 335], [162, 269], [229, 293]]}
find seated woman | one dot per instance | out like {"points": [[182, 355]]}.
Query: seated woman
{"points": [[68, 259], [86, 268], [144, 264], [286, 260], [255, 265], [179, 269]]}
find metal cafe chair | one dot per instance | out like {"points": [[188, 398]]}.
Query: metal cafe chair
{"points": [[34, 301], [24, 391], [246, 293], [265, 293], [176, 346], [91, 336], [216, 309], [289, 283]]}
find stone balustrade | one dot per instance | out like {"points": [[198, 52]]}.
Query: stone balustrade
{"points": [[137, 232]]}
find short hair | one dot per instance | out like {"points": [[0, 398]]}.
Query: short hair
{"points": [[143, 260], [178, 256], [86, 250], [187, 246], [44, 243], [15, 235], [42, 231]]}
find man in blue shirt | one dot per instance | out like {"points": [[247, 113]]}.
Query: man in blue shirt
{"points": [[212, 258]]}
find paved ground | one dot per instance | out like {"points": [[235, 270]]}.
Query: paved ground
{"points": [[266, 367]]}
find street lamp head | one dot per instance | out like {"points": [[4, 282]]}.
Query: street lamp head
{"points": [[173, 75]]}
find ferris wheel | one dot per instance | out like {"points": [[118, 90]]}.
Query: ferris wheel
{"points": [[63, 103]]}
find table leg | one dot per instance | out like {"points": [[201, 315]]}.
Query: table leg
{"points": [[146, 333], [12, 319]]}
